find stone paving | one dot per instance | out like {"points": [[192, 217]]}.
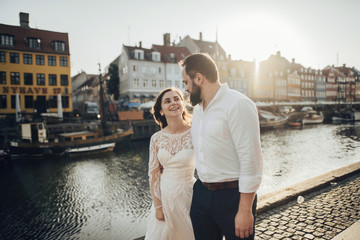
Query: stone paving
{"points": [[322, 215]]}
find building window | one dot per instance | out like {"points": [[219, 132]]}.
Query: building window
{"points": [[40, 60], [15, 78], [14, 57], [65, 101], [59, 46], [29, 102], [53, 102], [2, 57], [34, 43], [136, 83], [145, 83], [52, 79], [153, 83], [40, 79], [134, 68], [159, 69], [161, 83], [27, 58], [52, 60], [64, 80], [28, 79], [13, 101], [2, 77], [63, 61], [6, 40], [3, 102]]}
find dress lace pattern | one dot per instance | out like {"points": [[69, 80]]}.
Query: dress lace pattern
{"points": [[171, 189]]}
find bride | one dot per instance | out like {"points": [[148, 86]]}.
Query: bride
{"points": [[171, 169]]}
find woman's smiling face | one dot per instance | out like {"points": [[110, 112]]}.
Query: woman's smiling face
{"points": [[172, 104]]}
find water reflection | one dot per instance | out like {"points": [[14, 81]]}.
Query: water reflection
{"points": [[293, 155], [107, 196]]}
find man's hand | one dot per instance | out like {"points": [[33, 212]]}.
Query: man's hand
{"points": [[160, 214], [244, 223], [244, 219]]}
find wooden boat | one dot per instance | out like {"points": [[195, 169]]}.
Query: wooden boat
{"points": [[271, 120], [36, 140], [295, 123], [312, 117], [346, 115]]}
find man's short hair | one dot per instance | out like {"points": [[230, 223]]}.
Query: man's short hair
{"points": [[200, 63]]}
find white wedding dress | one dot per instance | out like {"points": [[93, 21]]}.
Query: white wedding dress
{"points": [[172, 189]]}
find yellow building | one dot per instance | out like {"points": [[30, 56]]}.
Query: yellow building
{"points": [[36, 65]]}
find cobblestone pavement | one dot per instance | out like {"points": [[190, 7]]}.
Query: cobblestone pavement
{"points": [[322, 215]]}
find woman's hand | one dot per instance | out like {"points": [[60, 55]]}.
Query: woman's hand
{"points": [[160, 214]]}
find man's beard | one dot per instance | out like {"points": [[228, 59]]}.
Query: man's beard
{"points": [[195, 95]]}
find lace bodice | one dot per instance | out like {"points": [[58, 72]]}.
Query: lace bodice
{"points": [[164, 149]]}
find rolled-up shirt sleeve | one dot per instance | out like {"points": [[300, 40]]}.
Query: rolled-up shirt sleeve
{"points": [[244, 127]]}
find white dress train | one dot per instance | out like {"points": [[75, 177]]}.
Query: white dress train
{"points": [[172, 189]]}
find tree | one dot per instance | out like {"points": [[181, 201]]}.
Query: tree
{"points": [[113, 83]]}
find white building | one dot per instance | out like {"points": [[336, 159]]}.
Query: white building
{"points": [[171, 55], [145, 72], [141, 72]]}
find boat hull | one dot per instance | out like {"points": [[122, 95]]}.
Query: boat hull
{"points": [[101, 144], [313, 120]]}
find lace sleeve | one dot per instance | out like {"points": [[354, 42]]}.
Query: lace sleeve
{"points": [[154, 174]]}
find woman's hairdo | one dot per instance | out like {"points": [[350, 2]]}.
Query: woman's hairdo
{"points": [[155, 110]]}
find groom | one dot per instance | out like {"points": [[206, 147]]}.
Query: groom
{"points": [[226, 138]]}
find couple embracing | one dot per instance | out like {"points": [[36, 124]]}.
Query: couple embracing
{"points": [[222, 139]]}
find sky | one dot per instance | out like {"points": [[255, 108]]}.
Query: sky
{"points": [[316, 33]]}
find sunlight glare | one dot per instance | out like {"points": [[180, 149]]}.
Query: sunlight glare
{"points": [[258, 35]]}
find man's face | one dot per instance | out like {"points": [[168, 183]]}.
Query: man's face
{"points": [[192, 88]]}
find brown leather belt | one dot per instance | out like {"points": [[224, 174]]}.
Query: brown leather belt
{"points": [[221, 185]]}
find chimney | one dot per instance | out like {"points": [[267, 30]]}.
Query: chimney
{"points": [[229, 56], [293, 60], [24, 20], [344, 65], [200, 36], [278, 53], [140, 44], [167, 39]]}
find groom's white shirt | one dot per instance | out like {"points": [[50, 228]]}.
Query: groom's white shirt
{"points": [[226, 139]]}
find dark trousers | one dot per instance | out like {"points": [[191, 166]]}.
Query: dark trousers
{"points": [[213, 213]]}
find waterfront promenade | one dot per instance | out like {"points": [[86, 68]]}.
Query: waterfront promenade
{"points": [[331, 205], [324, 207]]}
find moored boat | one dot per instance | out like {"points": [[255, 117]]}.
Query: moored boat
{"points": [[35, 141], [313, 117], [346, 115], [271, 120]]}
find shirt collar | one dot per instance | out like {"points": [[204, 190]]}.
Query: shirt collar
{"points": [[220, 92]]}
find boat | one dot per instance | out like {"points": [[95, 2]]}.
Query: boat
{"points": [[271, 120], [346, 115], [295, 119], [36, 142], [313, 117], [295, 123], [36, 139]]}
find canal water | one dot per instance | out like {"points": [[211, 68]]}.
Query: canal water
{"points": [[106, 196]]}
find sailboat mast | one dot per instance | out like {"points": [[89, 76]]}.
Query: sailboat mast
{"points": [[101, 100]]}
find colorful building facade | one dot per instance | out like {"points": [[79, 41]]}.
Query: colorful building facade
{"points": [[35, 64]]}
